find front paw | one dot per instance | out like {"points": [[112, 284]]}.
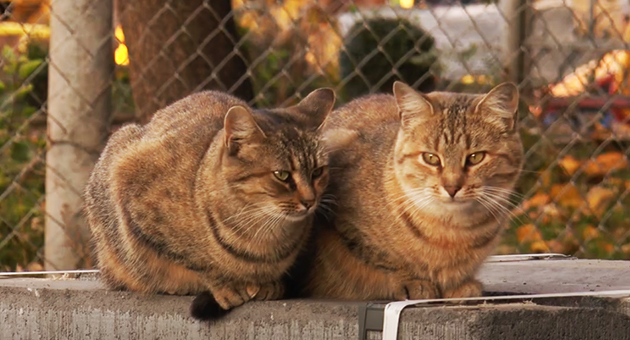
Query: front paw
{"points": [[234, 294], [270, 291], [417, 289], [469, 289]]}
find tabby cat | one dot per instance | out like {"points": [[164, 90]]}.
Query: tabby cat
{"points": [[423, 191], [209, 196]]}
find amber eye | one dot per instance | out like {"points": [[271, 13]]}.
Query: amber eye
{"points": [[431, 158], [475, 158], [282, 175], [318, 172]]}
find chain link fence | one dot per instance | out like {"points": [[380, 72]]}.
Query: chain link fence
{"points": [[74, 71]]}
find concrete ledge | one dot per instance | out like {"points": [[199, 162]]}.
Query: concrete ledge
{"points": [[82, 309]]}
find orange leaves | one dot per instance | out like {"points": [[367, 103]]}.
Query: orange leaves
{"points": [[599, 199], [528, 233], [580, 205], [567, 195], [606, 163], [540, 199], [600, 166], [570, 164], [590, 233]]}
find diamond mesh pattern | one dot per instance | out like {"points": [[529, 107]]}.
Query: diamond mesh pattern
{"points": [[574, 193]]}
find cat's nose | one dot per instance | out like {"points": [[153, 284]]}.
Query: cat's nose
{"points": [[307, 203], [452, 189]]}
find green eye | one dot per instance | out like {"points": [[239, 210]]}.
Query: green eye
{"points": [[318, 172], [431, 158], [475, 158], [282, 175]]}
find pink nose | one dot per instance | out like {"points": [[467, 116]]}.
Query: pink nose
{"points": [[452, 189]]}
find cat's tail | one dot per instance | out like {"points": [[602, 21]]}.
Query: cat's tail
{"points": [[204, 307]]}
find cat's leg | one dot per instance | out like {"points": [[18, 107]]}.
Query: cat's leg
{"points": [[470, 288]]}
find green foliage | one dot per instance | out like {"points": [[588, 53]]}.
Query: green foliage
{"points": [[23, 83], [23, 91], [372, 49]]}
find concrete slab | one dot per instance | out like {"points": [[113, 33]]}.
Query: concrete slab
{"points": [[82, 309], [555, 276]]}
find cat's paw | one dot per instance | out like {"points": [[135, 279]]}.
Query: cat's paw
{"points": [[270, 291], [418, 290], [469, 289], [234, 294]]}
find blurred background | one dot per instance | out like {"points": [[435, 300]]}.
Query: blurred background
{"points": [[73, 71]]}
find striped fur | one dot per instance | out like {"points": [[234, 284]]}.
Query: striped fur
{"points": [[397, 233], [189, 203]]}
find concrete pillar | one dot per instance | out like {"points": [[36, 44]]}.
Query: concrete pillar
{"points": [[79, 106]]}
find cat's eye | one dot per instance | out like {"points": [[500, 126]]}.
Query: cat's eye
{"points": [[317, 172], [431, 158], [282, 175], [475, 158]]}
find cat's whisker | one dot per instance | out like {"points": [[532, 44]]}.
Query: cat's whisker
{"points": [[269, 224], [513, 198], [503, 190], [514, 206], [494, 208], [499, 189], [248, 208], [324, 206], [325, 210], [500, 207], [414, 204], [508, 200], [253, 219], [489, 208]]}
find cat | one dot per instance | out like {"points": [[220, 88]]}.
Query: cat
{"points": [[211, 197], [422, 192]]}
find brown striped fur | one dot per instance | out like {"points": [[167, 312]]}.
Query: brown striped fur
{"points": [[398, 233], [189, 202]]}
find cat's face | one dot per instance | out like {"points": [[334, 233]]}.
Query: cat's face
{"points": [[458, 152], [279, 167]]}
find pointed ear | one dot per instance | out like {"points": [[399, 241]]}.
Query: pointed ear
{"points": [[500, 106], [240, 127], [412, 105], [338, 138], [317, 105]]}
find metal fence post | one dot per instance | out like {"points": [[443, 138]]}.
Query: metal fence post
{"points": [[79, 107]]}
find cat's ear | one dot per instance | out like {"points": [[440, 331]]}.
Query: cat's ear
{"points": [[500, 106], [412, 105], [240, 127], [337, 139], [317, 105]]}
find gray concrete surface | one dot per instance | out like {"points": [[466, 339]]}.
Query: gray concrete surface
{"points": [[82, 309]]}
